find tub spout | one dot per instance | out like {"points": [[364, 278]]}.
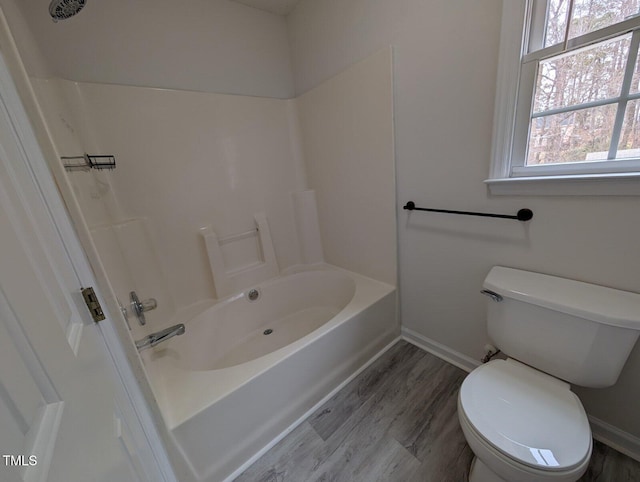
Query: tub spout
{"points": [[158, 337]]}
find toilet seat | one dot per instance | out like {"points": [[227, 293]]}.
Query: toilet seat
{"points": [[530, 417], [503, 468]]}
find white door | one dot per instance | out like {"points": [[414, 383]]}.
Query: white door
{"points": [[65, 415]]}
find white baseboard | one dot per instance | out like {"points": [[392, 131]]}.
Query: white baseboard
{"points": [[615, 438], [441, 351], [308, 413]]}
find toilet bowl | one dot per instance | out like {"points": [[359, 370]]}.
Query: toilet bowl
{"points": [[523, 425], [519, 415]]}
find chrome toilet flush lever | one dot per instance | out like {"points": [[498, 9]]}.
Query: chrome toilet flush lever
{"points": [[493, 295], [139, 307]]}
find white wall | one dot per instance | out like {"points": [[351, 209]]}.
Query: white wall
{"points": [[347, 137], [204, 45], [30, 53], [445, 58]]}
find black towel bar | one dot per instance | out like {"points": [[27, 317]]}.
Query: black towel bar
{"points": [[523, 214]]}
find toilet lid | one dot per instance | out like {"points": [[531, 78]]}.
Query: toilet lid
{"points": [[528, 415]]}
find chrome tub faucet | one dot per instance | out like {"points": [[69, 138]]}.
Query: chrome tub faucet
{"points": [[158, 337]]}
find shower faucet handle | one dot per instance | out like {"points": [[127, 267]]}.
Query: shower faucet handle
{"points": [[139, 307]]}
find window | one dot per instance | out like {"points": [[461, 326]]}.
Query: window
{"points": [[568, 98]]}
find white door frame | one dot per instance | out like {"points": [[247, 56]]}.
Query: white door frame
{"points": [[23, 132]]}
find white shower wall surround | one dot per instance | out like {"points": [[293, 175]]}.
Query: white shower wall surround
{"points": [[186, 160], [131, 262]]}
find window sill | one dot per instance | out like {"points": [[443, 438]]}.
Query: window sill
{"points": [[619, 184]]}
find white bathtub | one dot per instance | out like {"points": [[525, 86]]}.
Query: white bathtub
{"points": [[226, 390]]}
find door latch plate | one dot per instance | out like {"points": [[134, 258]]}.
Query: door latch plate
{"points": [[93, 304]]}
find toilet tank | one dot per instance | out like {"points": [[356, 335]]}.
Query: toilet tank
{"points": [[579, 332]]}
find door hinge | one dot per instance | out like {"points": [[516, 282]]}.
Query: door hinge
{"points": [[93, 304]]}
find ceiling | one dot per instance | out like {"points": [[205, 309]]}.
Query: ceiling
{"points": [[279, 7]]}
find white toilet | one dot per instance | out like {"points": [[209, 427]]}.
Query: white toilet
{"points": [[519, 416]]}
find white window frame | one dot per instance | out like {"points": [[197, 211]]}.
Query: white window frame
{"points": [[514, 93]]}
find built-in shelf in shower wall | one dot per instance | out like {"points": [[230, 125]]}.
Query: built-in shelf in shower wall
{"points": [[242, 260]]}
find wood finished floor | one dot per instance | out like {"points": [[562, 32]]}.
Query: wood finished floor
{"points": [[396, 421]]}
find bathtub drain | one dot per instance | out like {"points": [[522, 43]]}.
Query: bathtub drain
{"points": [[267, 332], [253, 295]]}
